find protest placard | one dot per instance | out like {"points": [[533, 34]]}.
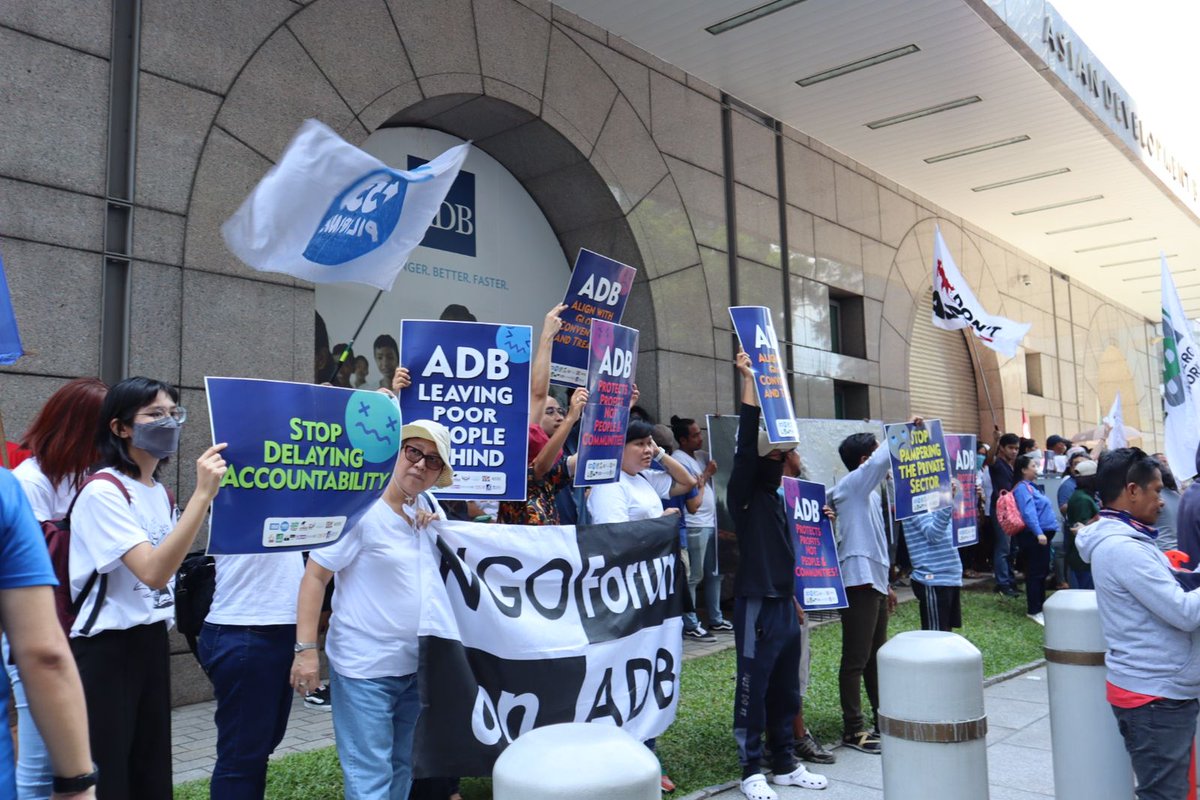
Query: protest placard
{"points": [[305, 462], [598, 290], [612, 367], [757, 335], [920, 467], [819, 584], [960, 450], [473, 377]]}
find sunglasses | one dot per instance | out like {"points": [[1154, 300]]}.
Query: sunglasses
{"points": [[432, 460]]}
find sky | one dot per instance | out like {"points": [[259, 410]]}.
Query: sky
{"points": [[1150, 46]]}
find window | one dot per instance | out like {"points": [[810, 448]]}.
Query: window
{"points": [[1033, 374], [850, 401], [847, 330]]}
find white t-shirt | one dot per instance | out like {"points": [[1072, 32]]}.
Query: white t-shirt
{"points": [[103, 529], [256, 589], [706, 515], [631, 498], [47, 500], [376, 596]]}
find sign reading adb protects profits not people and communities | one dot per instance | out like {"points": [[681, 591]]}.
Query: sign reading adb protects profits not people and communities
{"points": [[305, 462], [920, 469]]}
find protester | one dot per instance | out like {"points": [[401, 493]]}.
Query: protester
{"points": [[1149, 625], [62, 445], [372, 639], [361, 368], [1003, 480], [322, 364], [701, 524], [1067, 487], [864, 560], [41, 654], [1034, 542], [135, 545], [765, 611], [1082, 510], [1187, 522], [343, 358], [937, 570], [387, 358], [1168, 517]]}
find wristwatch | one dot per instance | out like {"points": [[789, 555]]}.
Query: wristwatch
{"points": [[302, 646], [77, 784]]}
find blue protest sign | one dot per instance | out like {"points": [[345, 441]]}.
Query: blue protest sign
{"points": [[757, 335], [960, 452], [473, 377], [612, 368], [10, 337], [819, 584], [305, 462], [598, 290], [920, 468]]}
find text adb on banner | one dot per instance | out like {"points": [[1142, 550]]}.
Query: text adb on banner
{"points": [[601, 290], [468, 363], [617, 363], [807, 510]]}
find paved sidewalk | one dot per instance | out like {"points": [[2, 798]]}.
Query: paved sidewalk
{"points": [[1019, 763]]}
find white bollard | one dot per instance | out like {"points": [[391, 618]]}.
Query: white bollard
{"points": [[931, 718], [1090, 760], [576, 760]]}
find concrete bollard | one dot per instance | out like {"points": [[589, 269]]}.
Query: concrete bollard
{"points": [[931, 718], [1090, 760], [576, 760]]}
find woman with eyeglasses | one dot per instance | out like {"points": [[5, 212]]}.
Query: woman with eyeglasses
{"points": [[127, 541], [372, 640]]}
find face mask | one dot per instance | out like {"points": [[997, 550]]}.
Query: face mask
{"points": [[160, 439], [770, 474], [979, 459]]}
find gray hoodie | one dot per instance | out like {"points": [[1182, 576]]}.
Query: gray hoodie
{"points": [[1147, 618]]}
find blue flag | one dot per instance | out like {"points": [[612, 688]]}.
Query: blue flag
{"points": [[10, 337]]}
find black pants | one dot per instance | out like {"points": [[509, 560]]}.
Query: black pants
{"points": [[127, 685], [1037, 567], [767, 695], [864, 631]]}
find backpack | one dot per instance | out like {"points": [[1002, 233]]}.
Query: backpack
{"points": [[1008, 515], [57, 533], [195, 582]]}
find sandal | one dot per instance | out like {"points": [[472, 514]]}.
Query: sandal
{"points": [[801, 777], [756, 788]]}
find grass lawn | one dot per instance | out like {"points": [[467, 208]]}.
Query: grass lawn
{"points": [[698, 749]]}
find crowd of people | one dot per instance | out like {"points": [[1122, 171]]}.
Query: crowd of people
{"points": [[90, 675]]}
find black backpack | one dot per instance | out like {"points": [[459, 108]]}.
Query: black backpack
{"points": [[195, 582]]}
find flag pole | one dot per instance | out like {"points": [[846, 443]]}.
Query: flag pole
{"points": [[987, 391], [337, 364]]}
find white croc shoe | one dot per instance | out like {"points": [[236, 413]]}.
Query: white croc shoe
{"points": [[756, 788], [801, 777]]}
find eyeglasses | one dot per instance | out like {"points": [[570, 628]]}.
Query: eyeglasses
{"points": [[178, 413], [415, 456]]}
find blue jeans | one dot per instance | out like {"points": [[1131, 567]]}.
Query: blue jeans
{"points": [[1082, 579], [373, 722], [249, 667], [34, 771], [702, 559], [1000, 565], [1159, 738]]}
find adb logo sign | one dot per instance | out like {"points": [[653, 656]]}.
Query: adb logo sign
{"points": [[359, 219], [453, 229]]}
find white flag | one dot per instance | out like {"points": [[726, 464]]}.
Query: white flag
{"points": [[955, 306], [1116, 422], [1181, 370], [328, 212]]}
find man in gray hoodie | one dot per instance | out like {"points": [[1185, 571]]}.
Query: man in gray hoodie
{"points": [[1153, 659]]}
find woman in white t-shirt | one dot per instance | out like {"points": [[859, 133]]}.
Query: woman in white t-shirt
{"points": [[62, 438], [127, 541], [372, 640]]}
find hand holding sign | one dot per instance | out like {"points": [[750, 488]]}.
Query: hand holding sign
{"points": [[764, 366], [210, 469], [920, 468]]}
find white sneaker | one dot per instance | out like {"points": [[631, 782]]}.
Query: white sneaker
{"points": [[1038, 618], [755, 788], [801, 777]]}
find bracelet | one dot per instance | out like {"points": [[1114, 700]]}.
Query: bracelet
{"points": [[302, 646]]}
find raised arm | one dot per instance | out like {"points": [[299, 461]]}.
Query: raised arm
{"points": [[539, 370], [682, 481], [545, 459]]}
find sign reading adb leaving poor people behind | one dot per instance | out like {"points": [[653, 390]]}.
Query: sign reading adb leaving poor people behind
{"points": [[612, 367], [920, 467], [598, 290], [305, 462], [757, 335], [960, 452], [819, 584], [523, 627], [473, 377]]}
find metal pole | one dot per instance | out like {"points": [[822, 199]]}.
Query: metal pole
{"points": [[987, 391]]}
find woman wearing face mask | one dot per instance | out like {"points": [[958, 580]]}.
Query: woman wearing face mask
{"points": [[126, 544]]}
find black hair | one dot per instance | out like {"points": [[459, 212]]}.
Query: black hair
{"points": [[121, 404], [1009, 439], [363, 359], [1071, 461], [320, 333], [386, 340], [1020, 464], [638, 429], [637, 412], [854, 447], [457, 313], [338, 349], [1119, 468], [1086, 482], [1025, 445], [680, 427], [1168, 477]]}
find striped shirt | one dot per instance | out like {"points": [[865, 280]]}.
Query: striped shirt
{"points": [[930, 540]]}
